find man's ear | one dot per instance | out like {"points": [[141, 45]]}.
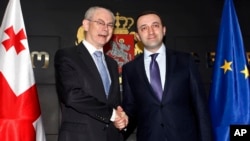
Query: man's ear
{"points": [[137, 36], [164, 30], [85, 25]]}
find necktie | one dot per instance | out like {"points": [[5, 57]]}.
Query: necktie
{"points": [[155, 78], [102, 70]]}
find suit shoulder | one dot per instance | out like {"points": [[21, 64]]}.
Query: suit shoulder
{"points": [[110, 59], [67, 52], [135, 60], [66, 49], [179, 54]]}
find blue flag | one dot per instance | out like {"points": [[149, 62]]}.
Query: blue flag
{"points": [[230, 94]]}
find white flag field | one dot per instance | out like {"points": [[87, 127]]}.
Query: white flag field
{"points": [[20, 113]]}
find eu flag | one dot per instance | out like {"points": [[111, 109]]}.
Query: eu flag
{"points": [[230, 94]]}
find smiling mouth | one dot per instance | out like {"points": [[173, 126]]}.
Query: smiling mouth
{"points": [[102, 35]]}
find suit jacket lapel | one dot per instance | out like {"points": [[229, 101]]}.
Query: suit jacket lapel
{"points": [[170, 63], [140, 68], [111, 74], [89, 63], [86, 57]]}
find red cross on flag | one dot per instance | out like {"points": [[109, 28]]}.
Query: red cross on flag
{"points": [[20, 114]]}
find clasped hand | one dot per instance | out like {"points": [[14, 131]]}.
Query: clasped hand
{"points": [[121, 119]]}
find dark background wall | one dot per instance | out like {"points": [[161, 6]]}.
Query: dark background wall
{"points": [[192, 26]]}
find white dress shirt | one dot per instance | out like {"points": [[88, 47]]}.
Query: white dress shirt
{"points": [[161, 60]]}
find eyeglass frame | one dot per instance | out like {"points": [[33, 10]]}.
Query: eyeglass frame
{"points": [[102, 23]]}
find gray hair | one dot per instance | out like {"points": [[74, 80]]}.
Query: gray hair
{"points": [[90, 12]]}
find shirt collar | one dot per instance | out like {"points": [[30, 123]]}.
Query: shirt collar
{"points": [[90, 47], [161, 51]]}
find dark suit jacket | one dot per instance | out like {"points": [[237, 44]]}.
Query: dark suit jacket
{"points": [[86, 111], [182, 115]]}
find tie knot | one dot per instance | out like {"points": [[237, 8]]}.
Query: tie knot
{"points": [[153, 56], [98, 53]]}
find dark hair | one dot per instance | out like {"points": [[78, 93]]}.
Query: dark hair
{"points": [[147, 13]]}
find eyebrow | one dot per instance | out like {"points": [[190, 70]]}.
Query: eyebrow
{"points": [[143, 25], [151, 24]]}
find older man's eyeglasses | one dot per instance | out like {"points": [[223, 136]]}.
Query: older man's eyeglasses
{"points": [[103, 24]]}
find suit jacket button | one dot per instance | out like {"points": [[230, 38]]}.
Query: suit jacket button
{"points": [[161, 106], [162, 125], [105, 127]]}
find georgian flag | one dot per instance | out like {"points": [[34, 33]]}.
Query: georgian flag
{"points": [[20, 113]]}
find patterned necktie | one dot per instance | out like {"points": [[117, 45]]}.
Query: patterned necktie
{"points": [[155, 78], [102, 70]]}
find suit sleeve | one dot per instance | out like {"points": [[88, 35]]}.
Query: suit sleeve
{"points": [[128, 104], [200, 102]]}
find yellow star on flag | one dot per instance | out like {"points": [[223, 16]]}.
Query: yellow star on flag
{"points": [[245, 72], [226, 66]]}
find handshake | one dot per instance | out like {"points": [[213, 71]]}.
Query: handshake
{"points": [[121, 119]]}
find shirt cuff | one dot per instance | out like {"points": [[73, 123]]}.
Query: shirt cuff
{"points": [[113, 115]]}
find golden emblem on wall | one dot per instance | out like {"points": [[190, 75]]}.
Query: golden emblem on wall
{"points": [[122, 26], [123, 46]]}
